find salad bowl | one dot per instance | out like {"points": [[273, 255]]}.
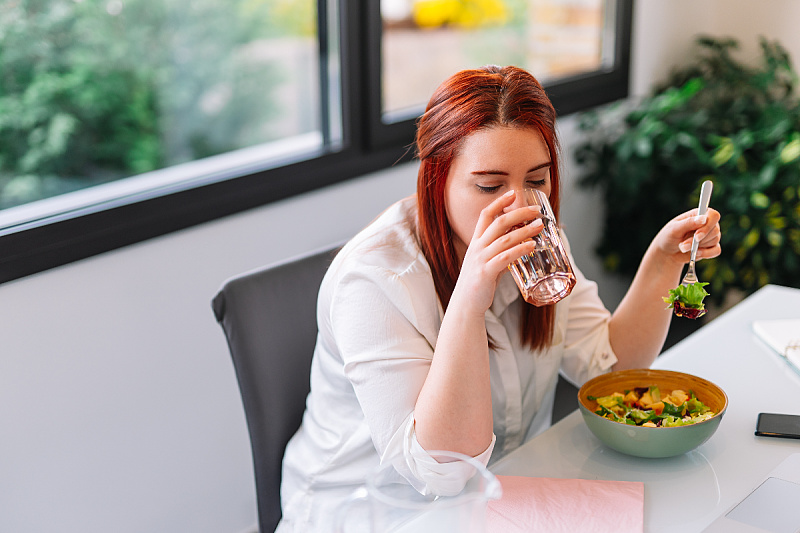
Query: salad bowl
{"points": [[643, 441]]}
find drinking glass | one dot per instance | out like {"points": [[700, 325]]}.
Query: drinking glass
{"points": [[545, 275]]}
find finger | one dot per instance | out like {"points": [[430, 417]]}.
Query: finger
{"points": [[710, 238], [713, 215], [492, 211], [686, 215], [688, 227], [712, 221], [504, 258], [515, 237], [710, 252], [511, 235], [709, 241], [513, 220]]}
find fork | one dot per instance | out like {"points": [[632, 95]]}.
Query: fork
{"points": [[705, 196]]}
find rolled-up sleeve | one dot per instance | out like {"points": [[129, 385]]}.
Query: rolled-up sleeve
{"points": [[379, 319], [427, 474]]}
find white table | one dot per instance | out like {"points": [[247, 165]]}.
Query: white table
{"points": [[718, 474]]}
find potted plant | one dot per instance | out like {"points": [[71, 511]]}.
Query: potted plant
{"points": [[716, 119]]}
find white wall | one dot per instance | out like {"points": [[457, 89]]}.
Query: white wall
{"points": [[119, 409], [663, 32]]}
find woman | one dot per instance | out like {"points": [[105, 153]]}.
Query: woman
{"points": [[424, 340]]}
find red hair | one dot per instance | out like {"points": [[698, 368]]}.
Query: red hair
{"points": [[469, 101]]}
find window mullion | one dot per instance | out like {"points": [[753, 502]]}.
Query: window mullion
{"points": [[324, 71]]}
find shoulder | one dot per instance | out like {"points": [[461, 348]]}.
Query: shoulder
{"points": [[383, 271], [388, 244]]}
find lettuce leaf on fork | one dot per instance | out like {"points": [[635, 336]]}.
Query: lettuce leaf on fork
{"points": [[687, 300]]}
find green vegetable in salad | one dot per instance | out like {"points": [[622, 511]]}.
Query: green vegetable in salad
{"points": [[687, 300]]}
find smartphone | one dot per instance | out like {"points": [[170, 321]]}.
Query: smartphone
{"points": [[778, 425]]}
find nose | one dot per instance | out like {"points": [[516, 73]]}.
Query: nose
{"points": [[520, 198]]}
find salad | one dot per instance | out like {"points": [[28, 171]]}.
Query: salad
{"points": [[646, 406], [687, 300]]}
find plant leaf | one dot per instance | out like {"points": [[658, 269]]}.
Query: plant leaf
{"points": [[691, 295]]}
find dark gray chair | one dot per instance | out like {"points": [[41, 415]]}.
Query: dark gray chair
{"points": [[269, 319], [566, 399]]}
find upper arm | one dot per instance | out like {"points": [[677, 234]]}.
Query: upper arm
{"points": [[385, 355]]}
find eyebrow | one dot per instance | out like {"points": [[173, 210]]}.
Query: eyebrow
{"points": [[503, 173]]}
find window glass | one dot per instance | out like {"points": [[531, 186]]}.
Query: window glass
{"points": [[122, 120], [94, 91], [424, 41]]}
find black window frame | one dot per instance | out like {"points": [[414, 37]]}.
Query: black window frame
{"points": [[368, 145]]}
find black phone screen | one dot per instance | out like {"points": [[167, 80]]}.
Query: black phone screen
{"points": [[778, 425]]}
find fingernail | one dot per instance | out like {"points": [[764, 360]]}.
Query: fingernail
{"points": [[509, 193], [684, 247], [699, 236], [700, 219]]}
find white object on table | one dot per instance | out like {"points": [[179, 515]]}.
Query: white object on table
{"points": [[783, 336]]}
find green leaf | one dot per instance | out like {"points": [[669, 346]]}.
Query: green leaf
{"points": [[759, 200], [692, 87], [775, 238], [644, 147], [723, 153], [790, 152], [767, 175], [670, 409], [691, 295], [747, 244]]}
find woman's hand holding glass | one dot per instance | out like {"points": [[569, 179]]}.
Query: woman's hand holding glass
{"points": [[502, 235]]}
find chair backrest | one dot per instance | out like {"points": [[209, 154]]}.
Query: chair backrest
{"points": [[269, 319]]}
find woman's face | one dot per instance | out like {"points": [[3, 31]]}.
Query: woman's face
{"points": [[489, 163]]}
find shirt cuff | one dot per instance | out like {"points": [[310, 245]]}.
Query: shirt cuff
{"points": [[604, 358], [439, 478]]}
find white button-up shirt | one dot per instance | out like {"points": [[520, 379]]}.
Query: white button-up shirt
{"points": [[379, 319]]}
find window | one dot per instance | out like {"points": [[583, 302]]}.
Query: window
{"points": [[579, 49], [124, 120], [554, 39]]}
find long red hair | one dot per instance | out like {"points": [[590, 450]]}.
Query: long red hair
{"points": [[469, 101]]}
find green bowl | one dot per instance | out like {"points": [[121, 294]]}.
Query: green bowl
{"points": [[647, 441]]}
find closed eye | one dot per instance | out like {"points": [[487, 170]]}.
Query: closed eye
{"points": [[489, 189], [542, 173]]}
